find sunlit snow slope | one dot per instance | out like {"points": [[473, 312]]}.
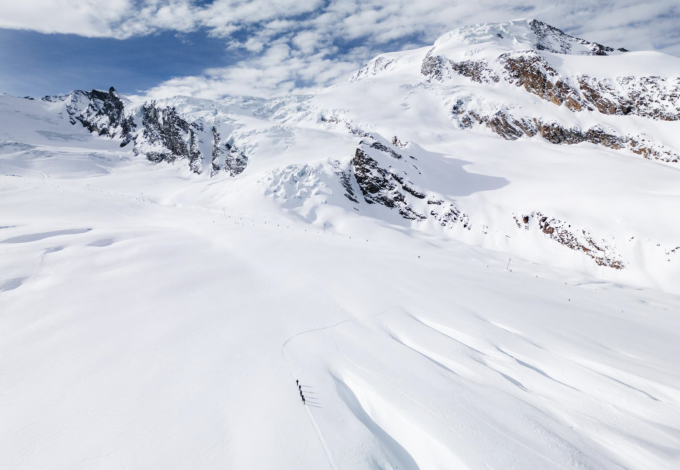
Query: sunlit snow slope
{"points": [[159, 300]]}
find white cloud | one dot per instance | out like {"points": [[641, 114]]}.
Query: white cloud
{"points": [[86, 18], [280, 70], [100, 18], [293, 43]]}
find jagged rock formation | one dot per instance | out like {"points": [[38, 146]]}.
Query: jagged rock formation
{"points": [[164, 137], [345, 177], [530, 70], [447, 214], [382, 186], [99, 111], [385, 172], [601, 251], [551, 39], [652, 97], [236, 161], [194, 153], [647, 96], [216, 153]]}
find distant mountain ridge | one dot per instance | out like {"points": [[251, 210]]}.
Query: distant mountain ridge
{"points": [[388, 133]]}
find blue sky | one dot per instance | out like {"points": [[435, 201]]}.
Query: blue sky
{"points": [[39, 64], [263, 47]]}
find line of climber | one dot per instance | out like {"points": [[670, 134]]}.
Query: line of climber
{"points": [[297, 382]]}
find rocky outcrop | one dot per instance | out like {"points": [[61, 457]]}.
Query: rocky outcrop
{"points": [[216, 153], [101, 112], [601, 250], [164, 135], [344, 174], [440, 68], [448, 214], [548, 38], [651, 97], [436, 68], [381, 185], [512, 128], [386, 175], [236, 160], [529, 70], [195, 158]]}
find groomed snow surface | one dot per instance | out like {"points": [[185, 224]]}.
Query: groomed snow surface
{"points": [[140, 332]]}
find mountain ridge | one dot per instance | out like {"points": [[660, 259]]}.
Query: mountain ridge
{"points": [[424, 101]]}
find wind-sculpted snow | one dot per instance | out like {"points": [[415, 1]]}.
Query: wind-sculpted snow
{"points": [[505, 397]]}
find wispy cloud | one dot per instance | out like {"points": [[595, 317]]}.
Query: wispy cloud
{"points": [[291, 45]]}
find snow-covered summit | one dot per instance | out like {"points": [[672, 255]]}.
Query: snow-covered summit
{"points": [[522, 34]]}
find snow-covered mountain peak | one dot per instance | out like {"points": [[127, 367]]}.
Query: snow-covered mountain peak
{"points": [[486, 41], [521, 34]]}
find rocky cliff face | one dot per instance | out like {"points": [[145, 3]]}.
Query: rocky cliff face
{"points": [[380, 185], [582, 240], [387, 174], [165, 134], [236, 160], [158, 130], [216, 153], [652, 97], [99, 111], [551, 39], [510, 127]]}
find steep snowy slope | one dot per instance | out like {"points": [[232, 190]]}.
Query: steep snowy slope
{"points": [[169, 268]]}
